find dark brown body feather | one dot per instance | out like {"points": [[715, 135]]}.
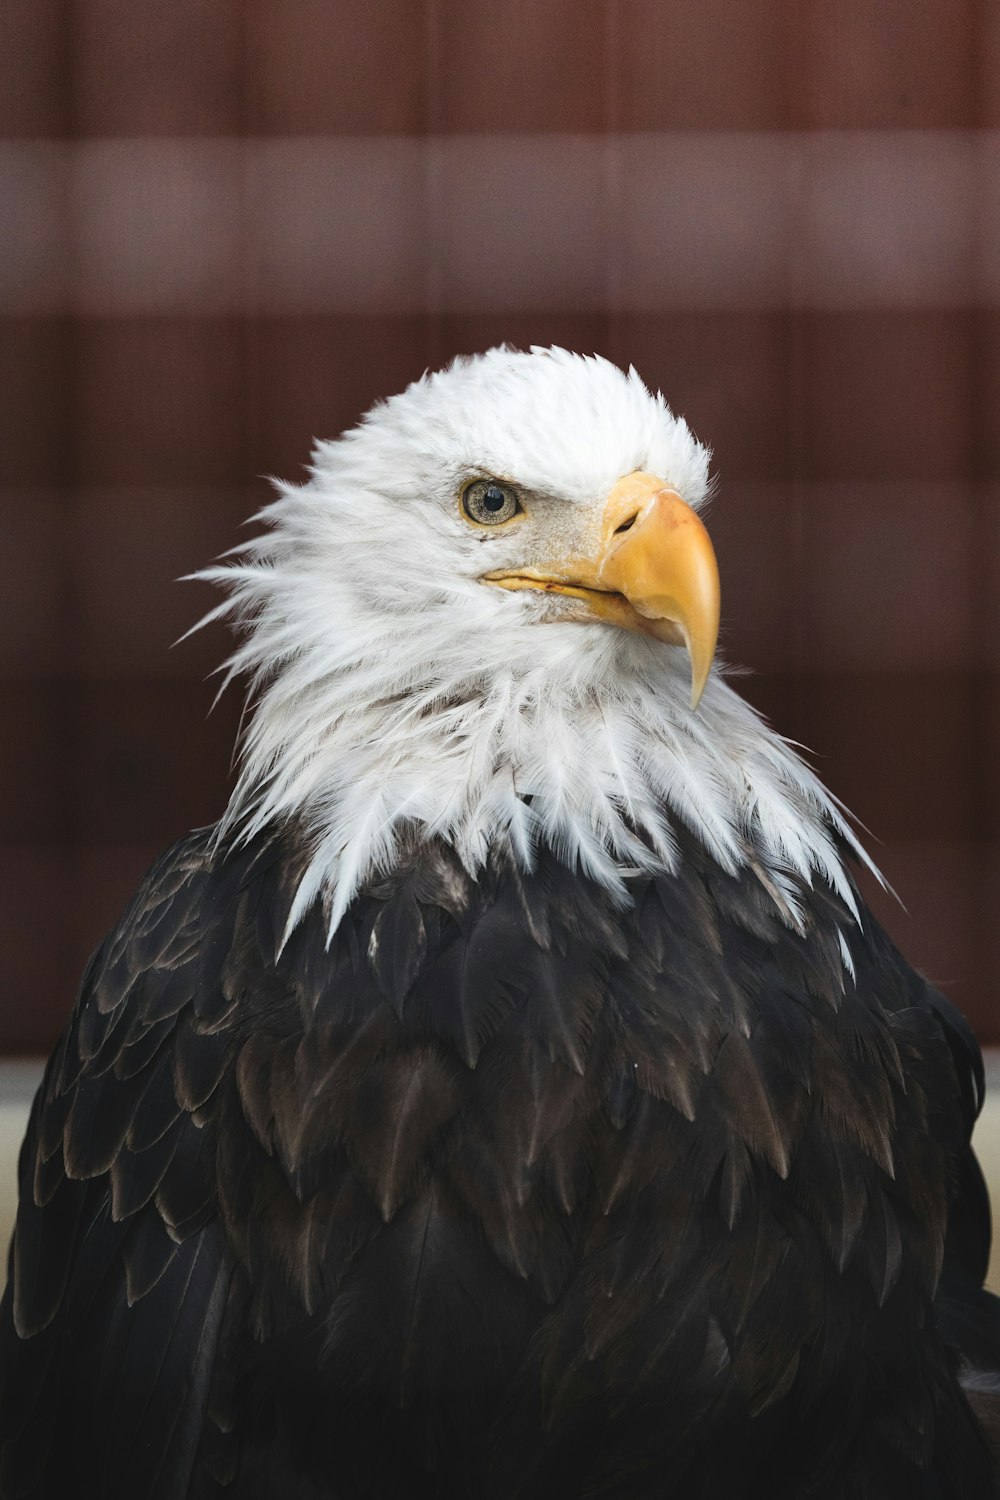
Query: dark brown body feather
{"points": [[509, 1193]]}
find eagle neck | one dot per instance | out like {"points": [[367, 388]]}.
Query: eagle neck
{"points": [[523, 762]]}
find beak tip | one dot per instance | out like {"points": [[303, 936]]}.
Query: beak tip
{"points": [[701, 655], [699, 682]]}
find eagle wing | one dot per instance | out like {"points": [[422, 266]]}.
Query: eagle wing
{"points": [[118, 1271]]}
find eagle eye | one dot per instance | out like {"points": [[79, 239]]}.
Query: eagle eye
{"points": [[490, 502]]}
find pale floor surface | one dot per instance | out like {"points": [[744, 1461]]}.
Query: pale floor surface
{"points": [[18, 1081]]}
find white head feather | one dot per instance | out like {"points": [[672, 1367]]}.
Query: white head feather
{"points": [[393, 692]]}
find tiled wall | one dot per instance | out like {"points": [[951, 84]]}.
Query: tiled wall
{"points": [[227, 227]]}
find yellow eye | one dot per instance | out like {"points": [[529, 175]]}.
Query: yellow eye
{"points": [[490, 502]]}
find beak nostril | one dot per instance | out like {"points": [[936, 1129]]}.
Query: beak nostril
{"points": [[626, 525]]}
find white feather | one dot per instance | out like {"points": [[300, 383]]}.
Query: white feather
{"points": [[391, 690]]}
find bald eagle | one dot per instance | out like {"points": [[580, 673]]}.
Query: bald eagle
{"points": [[511, 1096]]}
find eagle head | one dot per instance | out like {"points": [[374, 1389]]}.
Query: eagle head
{"points": [[490, 617]]}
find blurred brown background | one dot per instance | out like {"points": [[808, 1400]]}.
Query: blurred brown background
{"points": [[228, 227]]}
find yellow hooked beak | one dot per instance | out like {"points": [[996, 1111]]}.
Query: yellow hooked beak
{"points": [[654, 570]]}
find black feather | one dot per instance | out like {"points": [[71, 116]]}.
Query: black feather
{"points": [[509, 1190], [397, 946]]}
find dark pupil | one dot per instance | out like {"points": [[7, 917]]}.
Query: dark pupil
{"points": [[494, 499]]}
